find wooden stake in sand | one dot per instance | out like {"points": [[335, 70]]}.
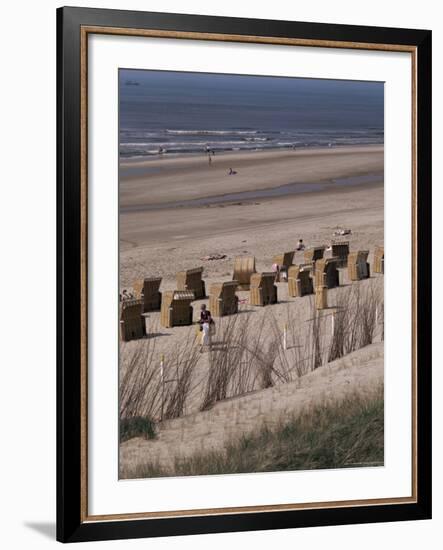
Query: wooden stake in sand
{"points": [[285, 336], [162, 379]]}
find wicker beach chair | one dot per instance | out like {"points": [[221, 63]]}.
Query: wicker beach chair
{"points": [[148, 290], [263, 290], [340, 250], [321, 297], [315, 253], [300, 281], [358, 265], [222, 298], [379, 259], [132, 325], [326, 273], [244, 267], [176, 309], [284, 261], [137, 287], [191, 280]]}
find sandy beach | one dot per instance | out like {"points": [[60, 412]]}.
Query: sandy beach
{"points": [[318, 191], [157, 239], [165, 179]]}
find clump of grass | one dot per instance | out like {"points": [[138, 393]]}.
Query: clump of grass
{"points": [[179, 371], [144, 392], [356, 322], [140, 384], [348, 433], [137, 426], [315, 337], [239, 362]]}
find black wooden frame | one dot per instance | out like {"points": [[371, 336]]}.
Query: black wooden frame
{"points": [[70, 527]]}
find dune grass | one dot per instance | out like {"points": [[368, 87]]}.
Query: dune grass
{"points": [[343, 434], [244, 358]]}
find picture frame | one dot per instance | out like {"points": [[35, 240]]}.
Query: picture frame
{"points": [[74, 26]]}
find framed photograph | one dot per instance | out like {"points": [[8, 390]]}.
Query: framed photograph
{"points": [[235, 351]]}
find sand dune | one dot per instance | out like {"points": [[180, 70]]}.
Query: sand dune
{"points": [[360, 372]]}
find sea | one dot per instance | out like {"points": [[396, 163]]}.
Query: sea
{"points": [[180, 113]]}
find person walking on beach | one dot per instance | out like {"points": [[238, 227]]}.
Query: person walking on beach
{"points": [[205, 322]]}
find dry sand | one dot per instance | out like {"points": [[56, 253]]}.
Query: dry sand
{"points": [[164, 241]]}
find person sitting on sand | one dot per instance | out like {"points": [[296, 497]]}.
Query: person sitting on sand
{"points": [[232, 172], [205, 321], [300, 245], [127, 295]]}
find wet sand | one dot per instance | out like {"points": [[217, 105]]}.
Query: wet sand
{"points": [[169, 179]]}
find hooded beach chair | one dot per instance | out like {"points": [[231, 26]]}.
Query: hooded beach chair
{"points": [[300, 281], [321, 297], [326, 273], [358, 265], [148, 290], [379, 259], [314, 253], [132, 324], [191, 280], [222, 298], [340, 250], [244, 267], [284, 261], [263, 289], [176, 309]]}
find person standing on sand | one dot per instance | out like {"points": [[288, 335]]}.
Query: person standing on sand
{"points": [[205, 321]]}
